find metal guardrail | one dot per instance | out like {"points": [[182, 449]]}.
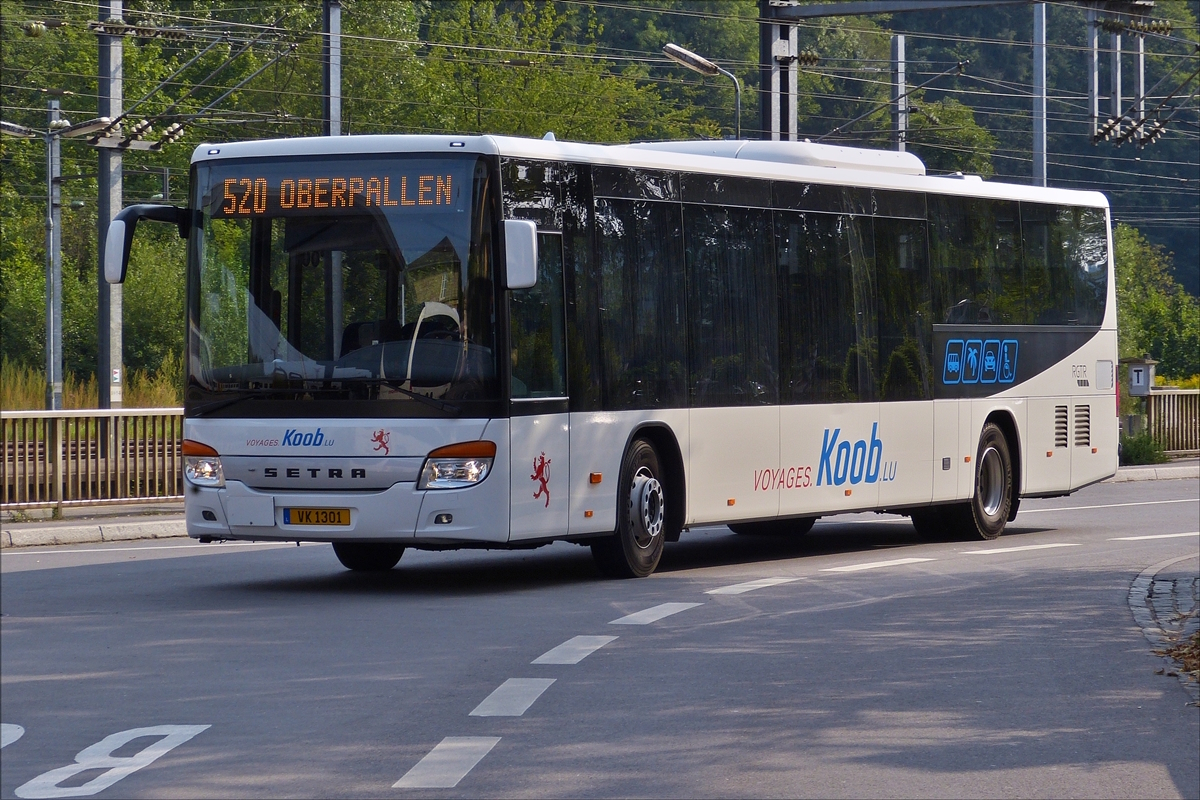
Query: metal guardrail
{"points": [[1173, 419], [92, 457]]}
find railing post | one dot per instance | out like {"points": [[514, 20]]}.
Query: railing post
{"points": [[57, 469]]}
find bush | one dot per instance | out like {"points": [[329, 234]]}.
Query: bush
{"points": [[1141, 449]]}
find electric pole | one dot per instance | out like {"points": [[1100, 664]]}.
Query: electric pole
{"points": [[110, 370]]}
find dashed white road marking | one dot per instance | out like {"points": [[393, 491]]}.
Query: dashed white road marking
{"points": [[512, 698], [1154, 536], [1111, 505], [1018, 549], [653, 614], [9, 733], [750, 586], [876, 565], [447, 763], [574, 650]]}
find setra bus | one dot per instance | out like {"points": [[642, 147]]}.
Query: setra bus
{"points": [[478, 341]]}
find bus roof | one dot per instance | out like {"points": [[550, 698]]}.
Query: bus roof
{"points": [[796, 161]]}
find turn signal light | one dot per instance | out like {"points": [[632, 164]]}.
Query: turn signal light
{"points": [[193, 448], [477, 449]]}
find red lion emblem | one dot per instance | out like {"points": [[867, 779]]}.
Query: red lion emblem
{"points": [[541, 474], [381, 439]]}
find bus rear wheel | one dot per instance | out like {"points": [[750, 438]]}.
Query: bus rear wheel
{"points": [[985, 516], [774, 527], [368, 556], [634, 549]]}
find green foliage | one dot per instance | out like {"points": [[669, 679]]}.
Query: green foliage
{"points": [[1141, 449], [1154, 314], [947, 138]]}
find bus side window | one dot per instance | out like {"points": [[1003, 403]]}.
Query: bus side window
{"points": [[538, 355]]}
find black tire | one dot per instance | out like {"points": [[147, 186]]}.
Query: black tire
{"points": [[368, 556], [987, 513], [634, 549], [776, 527]]}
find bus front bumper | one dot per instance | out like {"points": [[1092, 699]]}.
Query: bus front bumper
{"points": [[401, 514]]}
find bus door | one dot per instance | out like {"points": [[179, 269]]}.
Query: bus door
{"points": [[539, 434]]}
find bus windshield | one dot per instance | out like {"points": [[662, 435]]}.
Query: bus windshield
{"points": [[342, 280]]}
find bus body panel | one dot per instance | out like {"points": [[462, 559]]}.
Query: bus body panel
{"points": [[734, 459], [945, 450], [909, 428], [540, 475], [477, 513], [598, 441], [843, 454], [378, 437]]}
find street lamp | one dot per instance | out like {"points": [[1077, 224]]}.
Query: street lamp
{"points": [[57, 128], [702, 65]]}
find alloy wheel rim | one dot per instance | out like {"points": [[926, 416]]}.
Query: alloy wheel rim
{"points": [[991, 481], [646, 508]]}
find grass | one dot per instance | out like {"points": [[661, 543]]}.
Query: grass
{"points": [[24, 388]]}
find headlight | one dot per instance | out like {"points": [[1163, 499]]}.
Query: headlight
{"points": [[202, 465], [458, 465]]}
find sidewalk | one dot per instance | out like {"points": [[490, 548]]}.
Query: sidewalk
{"points": [[119, 523]]}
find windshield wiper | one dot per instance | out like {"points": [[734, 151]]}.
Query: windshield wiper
{"points": [[440, 405], [200, 411]]}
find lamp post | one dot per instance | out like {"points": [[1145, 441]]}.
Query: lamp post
{"points": [[702, 65], [57, 128]]}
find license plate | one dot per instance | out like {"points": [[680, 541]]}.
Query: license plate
{"points": [[316, 516]]}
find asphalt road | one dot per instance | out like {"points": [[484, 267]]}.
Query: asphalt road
{"points": [[861, 663]]}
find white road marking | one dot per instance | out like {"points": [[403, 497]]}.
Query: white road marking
{"points": [[653, 614], [100, 756], [750, 586], [1020, 548], [512, 698], [574, 650], [1110, 505], [448, 763], [9, 733], [1154, 536], [876, 564]]}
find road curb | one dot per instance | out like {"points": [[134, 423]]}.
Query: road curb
{"points": [[92, 533], [1164, 473], [1142, 603]]}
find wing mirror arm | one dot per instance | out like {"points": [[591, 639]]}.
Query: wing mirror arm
{"points": [[120, 234]]}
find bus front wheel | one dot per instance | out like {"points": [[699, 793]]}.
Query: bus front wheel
{"points": [[634, 549], [368, 556]]}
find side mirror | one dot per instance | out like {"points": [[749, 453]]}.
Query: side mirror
{"points": [[120, 234], [520, 253]]}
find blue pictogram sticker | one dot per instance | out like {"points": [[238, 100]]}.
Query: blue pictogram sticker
{"points": [[1008, 361], [972, 360], [991, 361], [952, 372]]}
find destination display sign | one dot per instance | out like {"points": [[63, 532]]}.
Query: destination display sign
{"points": [[269, 190]]}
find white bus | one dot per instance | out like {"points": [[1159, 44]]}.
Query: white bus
{"points": [[477, 341]]}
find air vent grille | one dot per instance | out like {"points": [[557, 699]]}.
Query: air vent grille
{"points": [[1083, 426], [1060, 426]]}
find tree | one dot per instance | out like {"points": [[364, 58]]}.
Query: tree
{"points": [[1154, 314]]}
